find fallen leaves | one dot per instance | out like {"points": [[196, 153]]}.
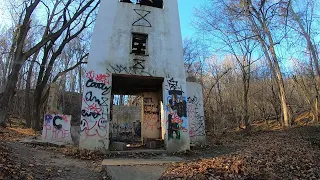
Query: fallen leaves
{"points": [[14, 134], [8, 168], [286, 154]]}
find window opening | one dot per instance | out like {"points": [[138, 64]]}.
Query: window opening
{"points": [[139, 43], [152, 3]]}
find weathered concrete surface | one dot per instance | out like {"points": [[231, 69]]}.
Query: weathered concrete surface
{"points": [[138, 169], [37, 140], [133, 162], [196, 114], [146, 151], [135, 173]]}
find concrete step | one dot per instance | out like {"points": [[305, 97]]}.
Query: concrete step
{"points": [[138, 169], [144, 151]]}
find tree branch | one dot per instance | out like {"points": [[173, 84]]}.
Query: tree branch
{"points": [[70, 69]]}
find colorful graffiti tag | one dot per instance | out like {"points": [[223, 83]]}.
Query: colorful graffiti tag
{"points": [[56, 128], [151, 115], [176, 109], [95, 107]]}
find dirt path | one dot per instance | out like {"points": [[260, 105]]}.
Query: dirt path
{"points": [[53, 165]]}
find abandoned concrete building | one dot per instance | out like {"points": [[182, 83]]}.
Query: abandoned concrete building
{"points": [[136, 54]]}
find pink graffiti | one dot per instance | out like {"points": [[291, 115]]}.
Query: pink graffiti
{"points": [[191, 111], [192, 133], [56, 133], [98, 128], [65, 118], [151, 121]]}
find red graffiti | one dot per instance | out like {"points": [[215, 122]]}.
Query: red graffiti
{"points": [[100, 78], [90, 75], [192, 133], [103, 78], [191, 111], [93, 107]]}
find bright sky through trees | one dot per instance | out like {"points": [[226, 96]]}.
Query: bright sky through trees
{"points": [[186, 8]]}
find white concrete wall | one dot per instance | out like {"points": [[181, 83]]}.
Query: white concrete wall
{"points": [[95, 113], [110, 54], [196, 113], [111, 42]]}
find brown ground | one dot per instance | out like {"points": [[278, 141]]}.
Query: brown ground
{"points": [[280, 154], [259, 154], [18, 161]]}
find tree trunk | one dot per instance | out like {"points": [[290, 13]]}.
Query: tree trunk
{"points": [[271, 56], [287, 115], [28, 114], [8, 94], [245, 115], [80, 79], [37, 108]]}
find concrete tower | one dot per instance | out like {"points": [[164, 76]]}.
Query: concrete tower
{"points": [[136, 49]]}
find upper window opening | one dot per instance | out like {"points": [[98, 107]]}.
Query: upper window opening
{"points": [[139, 43], [152, 3]]}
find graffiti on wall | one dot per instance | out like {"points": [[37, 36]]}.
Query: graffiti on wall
{"points": [[195, 117], [176, 108], [142, 21], [56, 128], [137, 69], [95, 106], [125, 121], [139, 64], [151, 115]]}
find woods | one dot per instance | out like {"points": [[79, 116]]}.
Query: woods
{"points": [[66, 21], [135, 97], [262, 45], [256, 60]]}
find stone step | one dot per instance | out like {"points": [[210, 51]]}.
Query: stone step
{"points": [[138, 169]]}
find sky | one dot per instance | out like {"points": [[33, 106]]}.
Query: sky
{"points": [[186, 9]]}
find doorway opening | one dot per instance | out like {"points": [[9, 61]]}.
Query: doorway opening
{"points": [[136, 112]]}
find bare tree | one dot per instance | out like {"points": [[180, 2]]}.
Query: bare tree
{"points": [[68, 22], [303, 23], [260, 17]]}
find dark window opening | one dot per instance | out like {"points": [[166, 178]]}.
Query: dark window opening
{"points": [[139, 44], [152, 3]]}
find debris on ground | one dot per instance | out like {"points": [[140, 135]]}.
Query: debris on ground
{"points": [[285, 154]]}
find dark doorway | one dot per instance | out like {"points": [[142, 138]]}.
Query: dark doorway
{"points": [[135, 111]]}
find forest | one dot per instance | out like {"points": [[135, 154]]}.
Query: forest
{"points": [[259, 62], [256, 60]]}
